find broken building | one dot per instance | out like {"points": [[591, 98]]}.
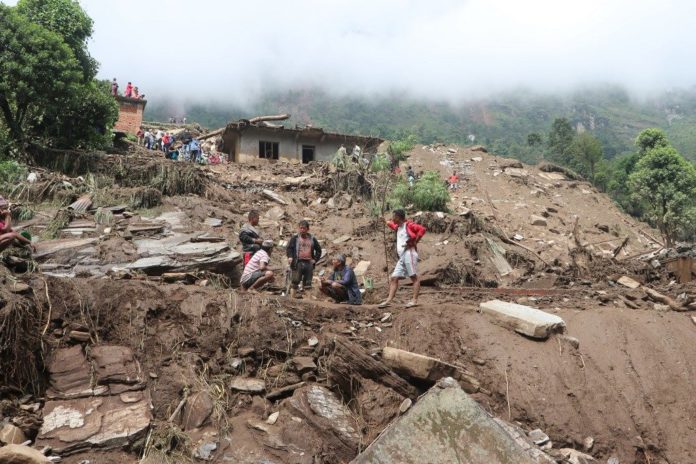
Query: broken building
{"points": [[249, 139], [130, 114]]}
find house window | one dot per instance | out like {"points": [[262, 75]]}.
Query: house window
{"points": [[268, 150]]}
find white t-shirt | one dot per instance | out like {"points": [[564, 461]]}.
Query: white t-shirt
{"points": [[401, 239], [254, 264]]}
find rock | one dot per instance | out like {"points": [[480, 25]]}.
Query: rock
{"points": [[538, 437], [342, 239], [284, 391], [313, 341], [79, 336], [576, 457], [518, 237], [516, 172], [613, 460], [526, 443], [331, 203], [197, 410], [405, 405], [303, 364], [328, 415], [246, 384], [98, 422], [70, 373], [274, 196], [213, 222], [205, 451], [538, 221], [628, 282], [480, 148], [572, 341], [19, 454], [246, 351], [445, 425], [273, 418], [523, 319], [693, 319], [588, 443], [361, 269], [11, 435], [115, 364], [276, 213], [476, 159], [18, 287]]}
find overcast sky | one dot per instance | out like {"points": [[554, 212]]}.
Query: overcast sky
{"points": [[233, 50]]}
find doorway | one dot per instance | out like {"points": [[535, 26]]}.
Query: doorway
{"points": [[307, 153]]}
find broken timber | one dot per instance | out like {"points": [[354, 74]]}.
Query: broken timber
{"points": [[350, 359]]}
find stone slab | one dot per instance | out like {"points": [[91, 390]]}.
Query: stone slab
{"points": [[445, 425], [249, 385], [628, 282], [528, 321], [416, 365]]}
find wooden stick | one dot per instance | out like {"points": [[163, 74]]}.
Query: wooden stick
{"points": [[180, 406], [507, 395]]}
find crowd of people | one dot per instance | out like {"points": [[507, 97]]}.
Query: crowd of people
{"points": [[186, 149], [303, 252], [131, 91]]}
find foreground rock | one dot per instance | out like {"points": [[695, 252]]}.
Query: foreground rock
{"points": [[98, 400], [445, 425], [523, 319], [18, 454]]}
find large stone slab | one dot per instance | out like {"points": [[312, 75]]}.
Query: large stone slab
{"points": [[445, 425], [71, 374], [18, 454], [115, 364], [523, 319], [105, 422]]}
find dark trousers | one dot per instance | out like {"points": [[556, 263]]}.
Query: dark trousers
{"points": [[303, 272]]}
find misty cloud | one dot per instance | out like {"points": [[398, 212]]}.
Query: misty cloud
{"points": [[233, 50]]}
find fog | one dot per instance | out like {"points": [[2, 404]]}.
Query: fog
{"points": [[232, 51]]}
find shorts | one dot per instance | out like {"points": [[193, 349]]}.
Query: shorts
{"points": [[407, 266], [303, 272], [256, 275]]}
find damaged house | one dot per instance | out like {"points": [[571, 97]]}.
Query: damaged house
{"points": [[250, 139]]}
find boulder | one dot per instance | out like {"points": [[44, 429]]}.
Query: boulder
{"points": [[11, 435], [445, 425], [417, 366], [70, 426], [249, 385], [303, 364], [18, 454], [197, 410], [538, 220], [115, 364], [523, 319], [361, 269], [628, 282]]}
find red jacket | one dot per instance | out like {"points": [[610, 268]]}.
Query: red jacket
{"points": [[414, 231]]}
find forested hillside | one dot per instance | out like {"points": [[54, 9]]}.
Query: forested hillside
{"points": [[503, 123]]}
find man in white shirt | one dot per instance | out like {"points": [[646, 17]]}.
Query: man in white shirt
{"points": [[256, 273]]}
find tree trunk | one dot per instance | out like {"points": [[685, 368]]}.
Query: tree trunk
{"points": [[15, 129]]}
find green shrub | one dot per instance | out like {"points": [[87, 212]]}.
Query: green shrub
{"points": [[429, 193], [399, 148], [380, 162], [11, 174]]}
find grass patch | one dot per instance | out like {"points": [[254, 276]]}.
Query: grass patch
{"points": [[429, 193]]}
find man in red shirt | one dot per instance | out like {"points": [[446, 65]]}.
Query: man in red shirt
{"points": [[453, 181], [408, 234]]}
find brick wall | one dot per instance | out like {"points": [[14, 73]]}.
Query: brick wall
{"points": [[130, 115]]}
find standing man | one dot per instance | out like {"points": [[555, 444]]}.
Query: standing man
{"points": [[303, 252], [249, 236], [341, 285], [129, 90], [114, 88], [408, 234], [256, 273]]}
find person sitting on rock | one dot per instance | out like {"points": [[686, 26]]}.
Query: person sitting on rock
{"points": [[303, 253], [341, 284], [249, 236], [8, 236], [256, 273]]}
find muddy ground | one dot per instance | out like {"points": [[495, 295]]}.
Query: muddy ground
{"points": [[627, 384]]}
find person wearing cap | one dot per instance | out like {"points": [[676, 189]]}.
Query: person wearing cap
{"points": [[256, 273], [341, 284], [8, 236]]}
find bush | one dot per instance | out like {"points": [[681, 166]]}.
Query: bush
{"points": [[398, 148], [11, 174], [429, 193], [380, 162]]}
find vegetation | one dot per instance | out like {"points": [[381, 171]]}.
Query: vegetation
{"points": [[429, 193], [48, 93]]}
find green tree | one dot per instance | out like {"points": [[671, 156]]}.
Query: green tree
{"points": [[665, 184], [559, 140], [587, 152], [70, 21], [534, 139], [649, 139], [37, 71]]}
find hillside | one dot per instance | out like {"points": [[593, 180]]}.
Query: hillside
{"points": [[502, 122], [139, 329]]}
